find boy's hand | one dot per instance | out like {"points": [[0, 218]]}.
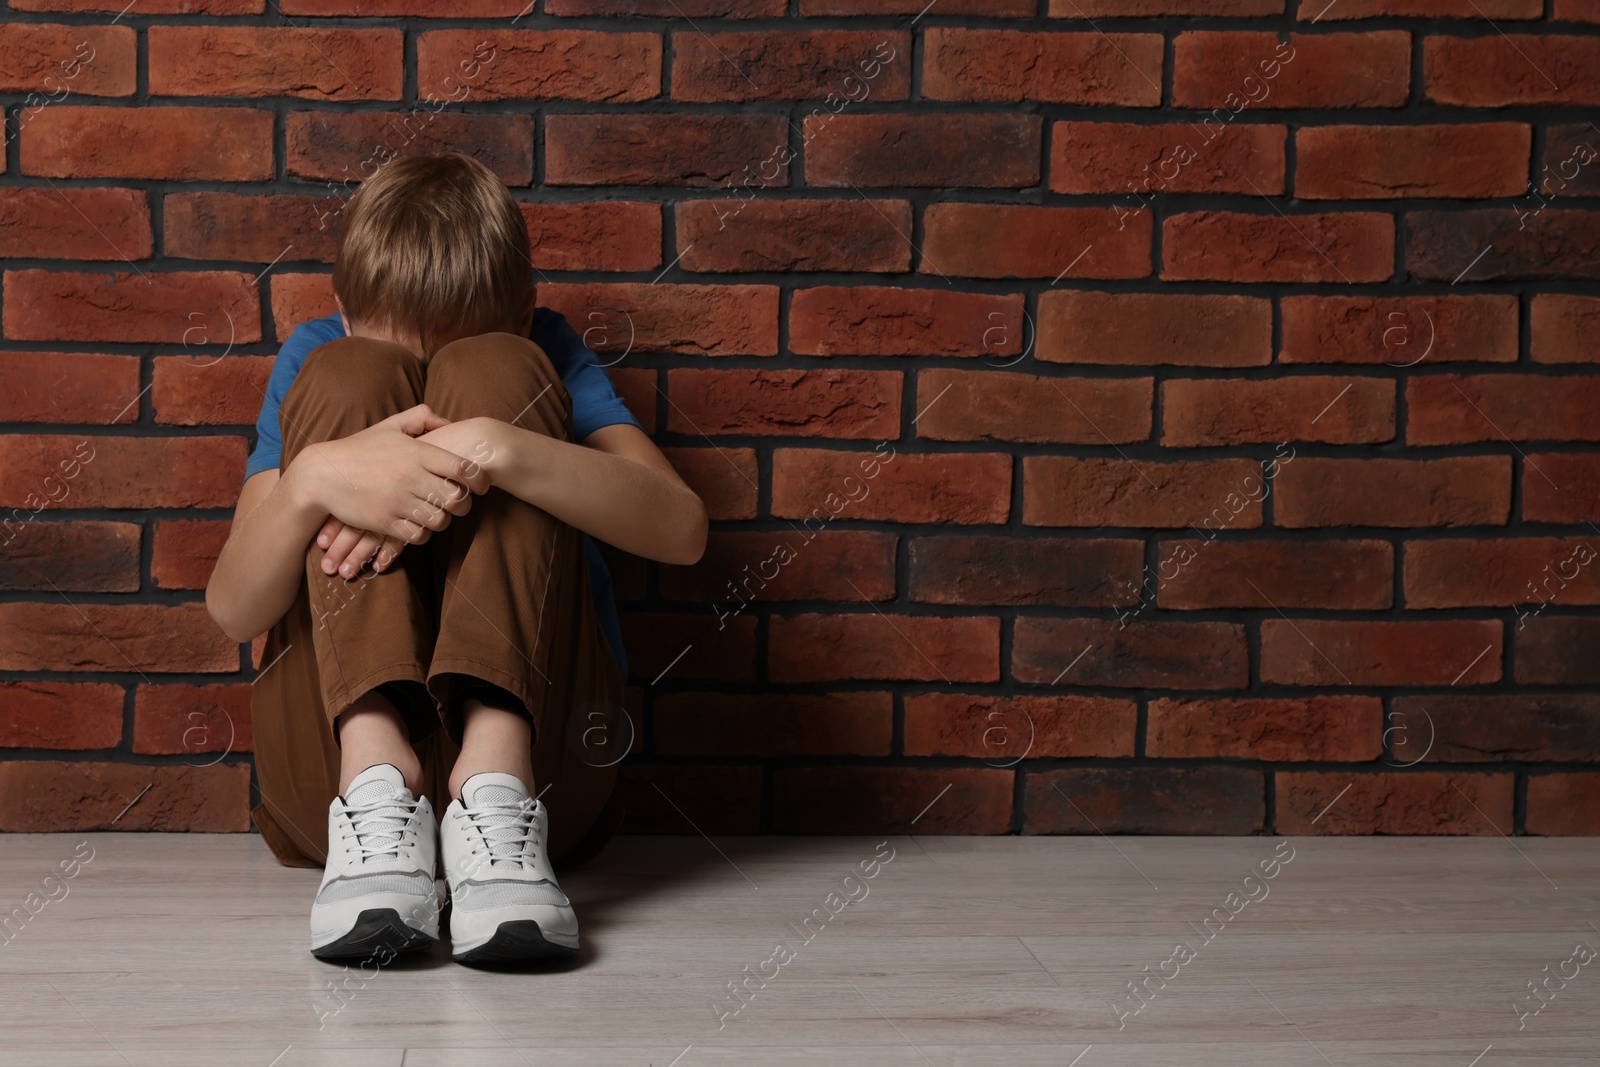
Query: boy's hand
{"points": [[480, 440]]}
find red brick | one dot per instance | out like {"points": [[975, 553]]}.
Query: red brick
{"points": [[1010, 66], [820, 485], [1466, 160], [1323, 10], [768, 725], [600, 235], [1559, 487], [76, 715], [665, 149], [1241, 70], [1141, 159], [1002, 730], [758, 566], [1283, 730], [986, 8], [169, 307], [794, 235], [1145, 800], [1399, 330], [1189, 329], [790, 64], [185, 550], [1447, 409], [725, 479], [687, 799], [923, 150], [1094, 9], [147, 7], [959, 405], [1222, 411], [696, 320], [1138, 655], [1459, 491], [1564, 804], [637, 388], [252, 61], [1548, 727], [48, 59], [1558, 650], [1504, 69], [1343, 575], [1417, 802], [257, 229], [1503, 244], [723, 649], [1459, 573], [75, 223], [298, 298], [502, 64], [113, 637], [1350, 246], [120, 472], [37, 795], [229, 144], [1565, 327], [205, 390], [1067, 491], [1025, 241], [919, 648], [789, 403], [1064, 571], [427, 9], [56, 557], [891, 800], [828, 320], [330, 146], [1564, 166], [185, 720], [68, 387], [1565, 10], [733, 9], [1326, 652]]}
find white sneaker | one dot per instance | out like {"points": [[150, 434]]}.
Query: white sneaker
{"points": [[378, 895], [505, 904]]}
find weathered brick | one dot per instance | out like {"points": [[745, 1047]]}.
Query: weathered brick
{"points": [[729, 724], [661, 149], [725, 479], [1459, 491], [1453, 408], [1416, 802], [1216, 494], [48, 59], [1003, 730], [1331, 653], [147, 7], [38, 795], [1349, 246], [828, 320], [1025, 241], [1138, 655], [1221, 411], [744, 567], [1561, 487], [733, 9], [298, 298], [184, 551], [891, 800], [1399, 330], [794, 235], [1011, 66], [191, 308], [820, 485], [1565, 328], [923, 648], [960, 405], [1558, 650], [1546, 727], [254, 61], [68, 387], [600, 235], [337, 147], [229, 144], [1564, 804], [1143, 159], [1466, 160], [1500, 244], [186, 720], [1234, 71], [1282, 730], [1567, 167], [1507, 69], [1327, 10], [986, 8], [75, 223], [1189, 329], [923, 150], [516, 64], [1459, 573], [1063, 571], [40, 470], [1577, 11], [256, 229], [207, 391], [1094, 9], [792, 403], [791, 64], [470, 9], [1344, 575], [56, 557], [72, 715], [620, 318], [1145, 800], [113, 637]]}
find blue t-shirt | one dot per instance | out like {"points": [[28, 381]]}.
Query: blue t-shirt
{"points": [[594, 404]]}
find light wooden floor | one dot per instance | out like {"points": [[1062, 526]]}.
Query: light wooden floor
{"points": [[170, 950]]}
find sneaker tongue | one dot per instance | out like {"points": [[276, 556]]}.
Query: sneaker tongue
{"points": [[496, 801], [381, 827]]}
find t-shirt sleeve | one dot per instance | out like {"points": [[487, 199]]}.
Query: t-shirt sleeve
{"points": [[268, 452], [595, 402]]}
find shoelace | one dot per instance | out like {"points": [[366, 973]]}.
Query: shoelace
{"points": [[505, 830], [380, 828]]}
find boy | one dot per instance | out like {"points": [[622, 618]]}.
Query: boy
{"points": [[412, 532]]}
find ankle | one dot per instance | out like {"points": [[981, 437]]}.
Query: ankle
{"points": [[372, 732], [493, 739]]}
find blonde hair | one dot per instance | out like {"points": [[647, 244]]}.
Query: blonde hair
{"points": [[431, 246]]}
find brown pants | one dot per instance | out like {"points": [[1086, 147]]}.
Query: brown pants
{"points": [[500, 596]]}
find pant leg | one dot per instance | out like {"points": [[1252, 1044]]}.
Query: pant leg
{"points": [[516, 607], [341, 637]]}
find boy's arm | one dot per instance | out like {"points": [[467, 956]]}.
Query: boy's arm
{"points": [[261, 567]]}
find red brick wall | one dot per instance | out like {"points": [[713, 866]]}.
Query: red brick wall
{"points": [[1134, 415]]}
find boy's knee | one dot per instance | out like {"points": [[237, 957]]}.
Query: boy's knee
{"points": [[355, 371], [495, 374]]}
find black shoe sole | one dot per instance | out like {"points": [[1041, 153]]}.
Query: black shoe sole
{"points": [[516, 942], [376, 931]]}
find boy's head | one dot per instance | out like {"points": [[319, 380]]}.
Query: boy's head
{"points": [[433, 248]]}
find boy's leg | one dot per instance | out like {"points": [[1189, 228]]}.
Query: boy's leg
{"points": [[516, 608], [342, 638]]}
